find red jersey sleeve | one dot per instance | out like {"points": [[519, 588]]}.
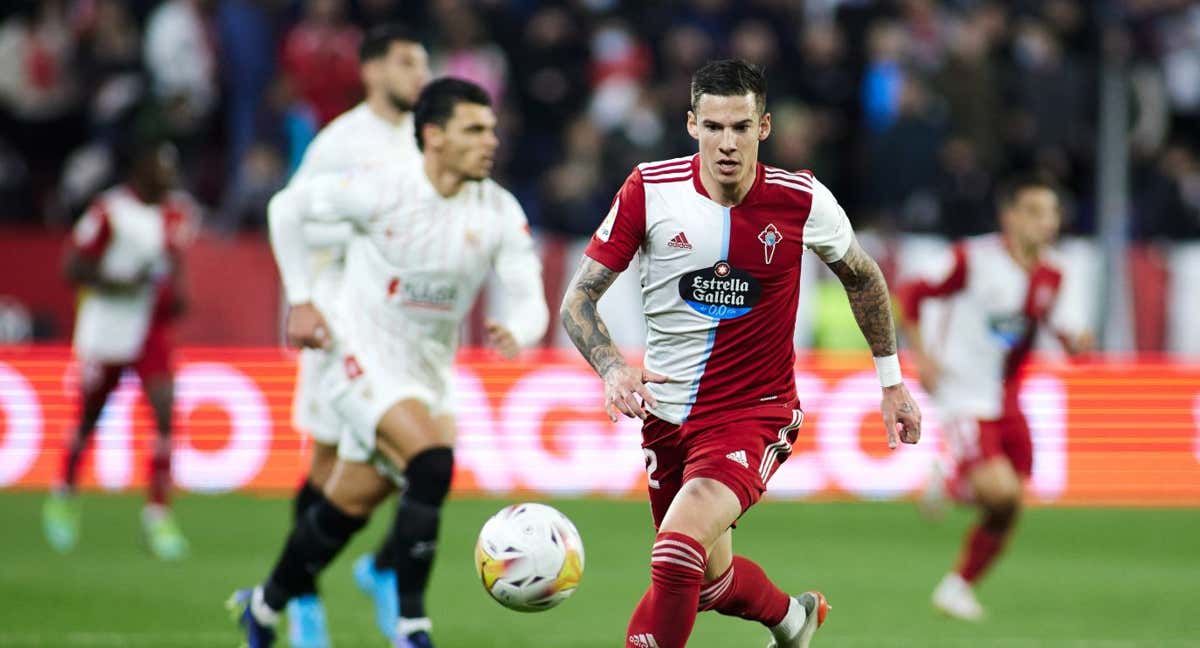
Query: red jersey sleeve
{"points": [[624, 228], [913, 293], [92, 232]]}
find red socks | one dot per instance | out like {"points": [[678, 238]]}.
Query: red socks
{"points": [[667, 612], [160, 475], [982, 547], [745, 591]]}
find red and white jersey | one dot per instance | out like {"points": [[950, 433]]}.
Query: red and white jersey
{"points": [[128, 238], [992, 313], [719, 284]]}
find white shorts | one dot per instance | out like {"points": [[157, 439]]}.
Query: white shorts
{"points": [[365, 393], [312, 410]]}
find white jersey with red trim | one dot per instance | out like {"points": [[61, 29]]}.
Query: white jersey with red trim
{"points": [[992, 313], [719, 284], [357, 137], [129, 239]]}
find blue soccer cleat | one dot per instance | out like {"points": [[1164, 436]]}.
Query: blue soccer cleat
{"points": [[419, 639], [306, 622], [258, 635], [380, 585]]}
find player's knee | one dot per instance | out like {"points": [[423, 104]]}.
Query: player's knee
{"points": [[324, 457], [429, 474]]}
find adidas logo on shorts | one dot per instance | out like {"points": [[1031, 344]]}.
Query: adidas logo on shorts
{"points": [[739, 456]]}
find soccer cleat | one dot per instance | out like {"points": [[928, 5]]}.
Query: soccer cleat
{"points": [[306, 622], [60, 521], [163, 536], [380, 585], [414, 633], [955, 598], [933, 499], [816, 608], [258, 635]]}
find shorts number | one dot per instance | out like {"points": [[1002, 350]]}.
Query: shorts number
{"points": [[651, 466]]}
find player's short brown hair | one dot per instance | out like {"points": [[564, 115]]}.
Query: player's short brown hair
{"points": [[1011, 187], [379, 39], [730, 78]]}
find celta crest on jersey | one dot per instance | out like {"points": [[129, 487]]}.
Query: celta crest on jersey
{"points": [[770, 237], [720, 292]]}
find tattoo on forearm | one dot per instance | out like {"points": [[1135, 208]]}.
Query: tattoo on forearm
{"points": [[583, 323], [869, 299]]}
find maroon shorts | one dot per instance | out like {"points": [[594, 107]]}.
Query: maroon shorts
{"points": [[973, 442], [740, 449], [98, 379]]}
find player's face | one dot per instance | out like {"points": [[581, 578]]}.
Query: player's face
{"points": [[400, 74], [1034, 217], [162, 168], [729, 129], [468, 143]]}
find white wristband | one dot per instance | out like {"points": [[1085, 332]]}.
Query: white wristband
{"points": [[888, 368]]}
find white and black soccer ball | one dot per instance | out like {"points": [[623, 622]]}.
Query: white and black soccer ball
{"points": [[529, 557]]}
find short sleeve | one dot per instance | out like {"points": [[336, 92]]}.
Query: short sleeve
{"points": [[623, 229], [827, 230], [93, 232]]}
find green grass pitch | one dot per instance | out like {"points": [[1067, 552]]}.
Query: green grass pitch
{"points": [[1073, 577]]}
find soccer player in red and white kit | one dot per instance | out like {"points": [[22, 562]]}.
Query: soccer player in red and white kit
{"points": [[126, 256], [999, 290], [721, 237]]}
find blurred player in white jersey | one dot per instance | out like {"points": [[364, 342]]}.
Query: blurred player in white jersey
{"points": [[721, 237], [394, 68], [424, 244], [126, 255], [1000, 289]]}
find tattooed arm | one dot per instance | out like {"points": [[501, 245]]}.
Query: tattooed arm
{"points": [[869, 299], [872, 306], [585, 328]]}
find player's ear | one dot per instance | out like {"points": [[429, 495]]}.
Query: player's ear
{"points": [[764, 127], [692, 127], [433, 136]]}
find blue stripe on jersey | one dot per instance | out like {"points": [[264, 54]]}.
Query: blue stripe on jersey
{"points": [[712, 333]]}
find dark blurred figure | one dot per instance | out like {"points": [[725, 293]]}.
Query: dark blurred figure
{"points": [[903, 166]]}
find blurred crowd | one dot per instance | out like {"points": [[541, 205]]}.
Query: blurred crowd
{"points": [[911, 110]]}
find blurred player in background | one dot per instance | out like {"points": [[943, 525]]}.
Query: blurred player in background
{"points": [[721, 237], [394, 68], [999, 290], [424, 243], [126, 256]]}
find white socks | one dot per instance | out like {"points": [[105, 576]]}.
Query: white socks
{"points": [[261, 611], [405, 627], [792, 622]]}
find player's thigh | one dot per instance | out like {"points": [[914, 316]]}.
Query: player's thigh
{"points": [[1017, 443], [448, 428], [160, 393], [357, 488], [324, 457], [703, 509], [406, 429], [995, 482], [97, 381]]}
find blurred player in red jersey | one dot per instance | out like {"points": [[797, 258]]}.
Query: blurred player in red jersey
{"points": [[125, 254], [999, 290], [721, 237]]}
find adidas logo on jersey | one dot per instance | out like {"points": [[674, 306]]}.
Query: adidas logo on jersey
{"points": [[739, 456], [643, 641], [680, 241]]}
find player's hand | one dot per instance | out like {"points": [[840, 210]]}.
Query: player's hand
{"points": [[501, 339], [306, 327], [901, 416], [1079, 344], [625, 391]]}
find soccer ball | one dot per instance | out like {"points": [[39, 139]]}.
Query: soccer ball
{"points": [[529, 557]]}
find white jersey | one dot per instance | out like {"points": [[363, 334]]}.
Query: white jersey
{"points": [[994, 308], [719, 284], [416, 263], [129, 239], [357, 137]]}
